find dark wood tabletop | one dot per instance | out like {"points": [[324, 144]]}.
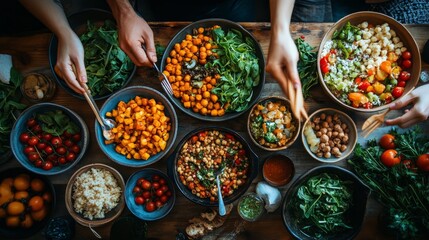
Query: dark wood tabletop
{"points": [[30, 54]]}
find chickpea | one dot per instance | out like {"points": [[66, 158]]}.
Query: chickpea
{"points": [[343, 148], [326, 149], [327, 155], [318, 134], [324, 138], [336, 152], [323, 116], [324, 130], [345, 138], [329, 119], [334, 133], [325, 124], [319, 154], [329, 134]]}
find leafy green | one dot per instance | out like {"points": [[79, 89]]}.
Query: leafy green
{"points": [[307, 66], [107, 66], [238, 67], [404, 192], [321, 205], [10, 96], [56, 123]]}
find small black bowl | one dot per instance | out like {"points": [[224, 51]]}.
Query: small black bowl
{"points": [[253, 168], [78, 22], [226, 25], [356, 212], [20, 233]]}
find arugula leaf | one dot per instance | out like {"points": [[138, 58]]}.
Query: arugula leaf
{"points": [[57, 122], [307, 66], [10, 96]]}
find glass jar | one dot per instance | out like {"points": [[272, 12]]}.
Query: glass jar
{"points": [[251, 207], [38, 87]]}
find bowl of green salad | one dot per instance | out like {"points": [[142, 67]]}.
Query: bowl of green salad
{"points": [[368, 60], [326, 202], [108, 68]]}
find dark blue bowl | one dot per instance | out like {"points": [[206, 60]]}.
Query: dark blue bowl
{"points": [[139, 210], [20, 127], [355, 214], [20, 233], [126, 95]]}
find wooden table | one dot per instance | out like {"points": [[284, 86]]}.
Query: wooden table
{"points": [[30, 54]]}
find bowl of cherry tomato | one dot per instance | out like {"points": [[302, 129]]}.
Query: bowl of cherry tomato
{"points": [[149, 194], [368, 60], [49, 139], [27, 201]]}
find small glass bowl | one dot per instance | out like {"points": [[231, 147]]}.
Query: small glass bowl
{"points": [[251, 207], [38, 87]]}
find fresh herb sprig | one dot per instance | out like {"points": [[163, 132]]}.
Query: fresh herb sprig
{"points": [[238, 67], [107, 66], [57, 122], [307, 65], [403, 192], [9, 102], [321, 205]]}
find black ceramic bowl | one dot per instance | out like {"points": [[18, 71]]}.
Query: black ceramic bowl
{"points": [[226, 25], [252, 169], [78, 22], [355, 214], [19, 232]]}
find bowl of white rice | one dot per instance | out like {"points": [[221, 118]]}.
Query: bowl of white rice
{"points": [[94, 195]]}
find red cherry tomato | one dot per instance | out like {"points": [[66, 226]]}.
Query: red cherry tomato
{"points": [[38, 163], [155, 178], [146, 185], [137, 189], [76, 137], [75, 149], [139, 200], [41, 145], [47, 166], [156, 185], [68, 143], [56, 141], [146, 195], [406, 55], [37, 129], [158, 204], [61, 150], [48, 150], [159, 192], [33, 156], [364, 85], [423, 162], [404, 76], [70, 157], [387, 141], [401, 84], [164, 199], [324, 65], [62, 160], [29, 149], [397, 92], [47, 136], [162, 181], [406, 64], [24, 137], [31, 122], [150, 206], [390, 158], [33, 141], [164, 188], [367, 105]]}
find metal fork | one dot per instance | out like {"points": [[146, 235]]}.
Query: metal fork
{"points": [[373, 123], [161, 76]]}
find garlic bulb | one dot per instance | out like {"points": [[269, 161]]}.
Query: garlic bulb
{"points": [[271, 195]]}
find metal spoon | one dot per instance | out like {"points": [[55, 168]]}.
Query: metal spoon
{"points": [[222, 210], [106, 124]]}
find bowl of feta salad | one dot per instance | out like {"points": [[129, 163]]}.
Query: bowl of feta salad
{"points": [[368, 60]]}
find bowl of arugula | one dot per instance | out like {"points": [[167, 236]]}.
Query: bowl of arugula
{"points": [[108, 68], [49, 139], [326, 202], [216, 69]]}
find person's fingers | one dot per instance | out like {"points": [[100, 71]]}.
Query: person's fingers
{"points": [[151, 50], [402, 102], [67, 73], [292, 74], [409, 123], [137, 54], [277, 73], [80, 70], [408, 116]]}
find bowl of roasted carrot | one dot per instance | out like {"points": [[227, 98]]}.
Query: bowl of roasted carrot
{"points": [[145, 130], [216, 69]]}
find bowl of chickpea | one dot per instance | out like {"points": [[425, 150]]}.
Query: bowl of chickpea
{"points": [[368, 60], [201, 153], [145, 130], [216, 69], [329, 135]]}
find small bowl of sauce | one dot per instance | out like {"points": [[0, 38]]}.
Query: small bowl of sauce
{"points": [[251, 207], [278, 170]]}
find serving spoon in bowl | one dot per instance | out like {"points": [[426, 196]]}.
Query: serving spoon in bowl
{"points": [[222, 210], [106, 123]]}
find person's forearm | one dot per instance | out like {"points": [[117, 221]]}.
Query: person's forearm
{"points": [[120, 8], [281, 13], [50, 14]]}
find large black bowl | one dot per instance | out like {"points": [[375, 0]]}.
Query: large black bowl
{"points": [[78, 22], [253, 168], [20, 233], [356, 212], [226, 26]]}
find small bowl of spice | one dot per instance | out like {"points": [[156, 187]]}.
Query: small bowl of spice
{"points": [[278, 170], [37, 87], [251, 207], [271, 124]]}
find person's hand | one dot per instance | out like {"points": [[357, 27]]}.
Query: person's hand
{"points": [[282, 64], [70, 65], [418, 113], [134, 32]]}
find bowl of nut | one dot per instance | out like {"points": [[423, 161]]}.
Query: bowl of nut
{"points": [[329, 135], [368, 60], [271, 124]]}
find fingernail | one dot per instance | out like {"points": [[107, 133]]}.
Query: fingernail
{"points": [[296, 85], [83, 79]]}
